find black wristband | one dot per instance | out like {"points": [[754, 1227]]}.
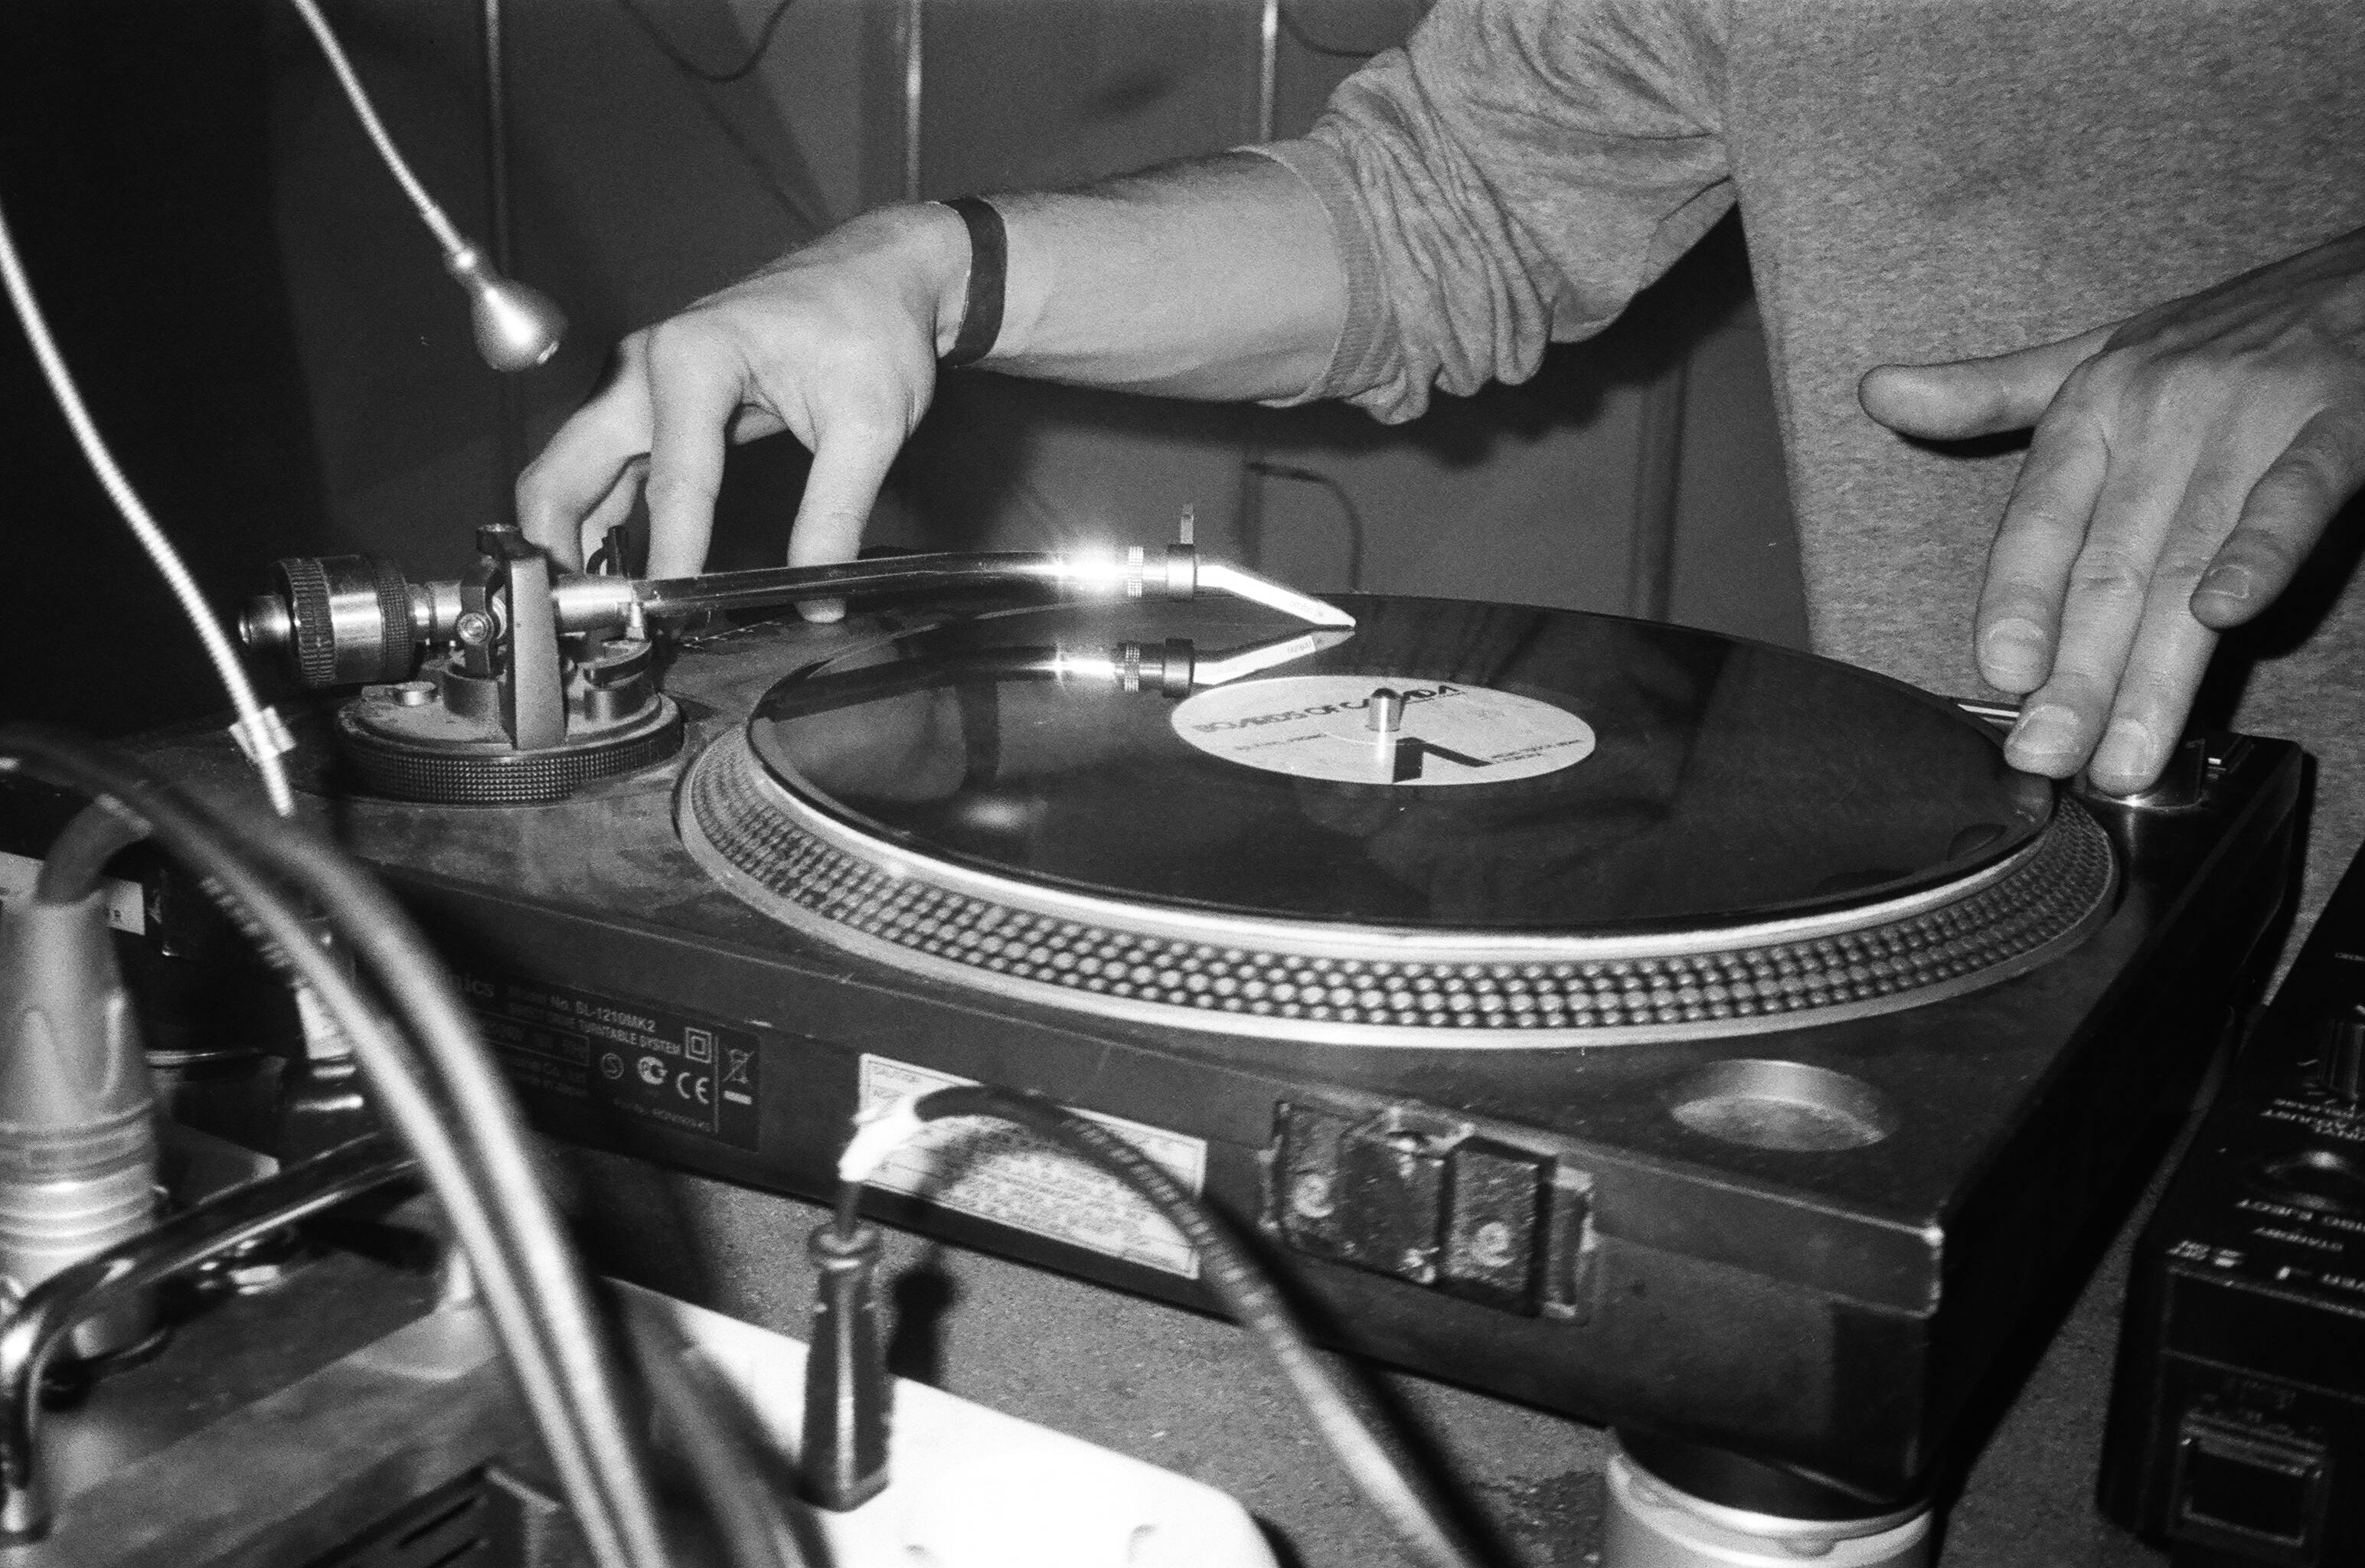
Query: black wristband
{"points": [[989, 262]]}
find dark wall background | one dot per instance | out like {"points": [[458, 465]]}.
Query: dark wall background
{"points": [[266, 338], [135, 171]]}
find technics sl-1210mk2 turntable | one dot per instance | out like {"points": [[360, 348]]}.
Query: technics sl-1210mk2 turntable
{"points": [[1693, 1035]]}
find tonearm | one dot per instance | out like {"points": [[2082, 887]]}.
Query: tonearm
{"points": [[516, 684]]}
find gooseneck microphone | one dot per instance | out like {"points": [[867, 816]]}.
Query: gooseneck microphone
{"points": [[517, 328]]}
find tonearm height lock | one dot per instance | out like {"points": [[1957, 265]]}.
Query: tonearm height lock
{"points": [[517, 684]]}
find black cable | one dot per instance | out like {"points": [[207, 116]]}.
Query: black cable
{"points": [[381, 934], [77, 859], [1399, 1496], [689, 67], [709, 1426], [793, 207], [847, 1214], [220, 853], [1266, 468], [414, 980]]}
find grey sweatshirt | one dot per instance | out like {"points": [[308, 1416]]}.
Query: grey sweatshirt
{"points": [[1919, 180]]}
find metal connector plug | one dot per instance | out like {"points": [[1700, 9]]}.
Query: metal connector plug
{"points": [[77, 1116], [844, 1456]]}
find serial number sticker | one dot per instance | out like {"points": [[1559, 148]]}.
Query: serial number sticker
{"points": [[124, 911], [630, 1058], [988, 1169]]}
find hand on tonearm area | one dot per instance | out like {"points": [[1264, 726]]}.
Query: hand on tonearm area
{"points": [[837, 342], [2184, 464]]}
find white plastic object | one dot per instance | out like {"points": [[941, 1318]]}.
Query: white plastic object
{"points": [[264, 735], [877, 1134], [970, 1487]]}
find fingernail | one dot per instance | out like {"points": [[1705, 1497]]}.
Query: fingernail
{"points": [[822, 611], [2045, 738], [2228, 582], [2014, 651], [2128, 756]]}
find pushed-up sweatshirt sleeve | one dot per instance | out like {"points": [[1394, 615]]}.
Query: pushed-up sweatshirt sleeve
{"points": [[1511, 176]]}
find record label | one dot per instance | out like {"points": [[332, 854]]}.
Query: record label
{"points": [[1368, 730]]}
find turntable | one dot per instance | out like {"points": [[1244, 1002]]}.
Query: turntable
{"points": [[1692, 1036], [1458, 825]]}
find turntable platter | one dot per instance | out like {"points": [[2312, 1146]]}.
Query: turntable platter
{"points": [[1629, 810]]}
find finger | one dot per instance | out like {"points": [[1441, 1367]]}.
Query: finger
{"points": [[752, 423], [1976, 396], [583, 466], [2036, 545], [2171, 649], [694, 392], [613, 509], [2283, 516], [2164, 671], [2102, 612], [850, 462]]}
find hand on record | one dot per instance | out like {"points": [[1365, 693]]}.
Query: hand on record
{"points": [[2184, 464], [835, 342]]}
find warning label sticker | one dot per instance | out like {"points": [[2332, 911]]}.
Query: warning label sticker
{"points": [[631, 1058], [991, 1170]]}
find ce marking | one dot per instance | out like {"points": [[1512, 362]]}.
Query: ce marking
{"points": [[693, 1086]]}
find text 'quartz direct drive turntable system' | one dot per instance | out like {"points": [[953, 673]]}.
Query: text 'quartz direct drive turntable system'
{"points": [[1693, 1035]]}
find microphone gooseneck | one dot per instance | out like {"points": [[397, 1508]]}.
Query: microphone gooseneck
{"points": [[516, 326]]}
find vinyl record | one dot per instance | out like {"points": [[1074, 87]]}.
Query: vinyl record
{"points": [[1464, 785], [1550, 771]]}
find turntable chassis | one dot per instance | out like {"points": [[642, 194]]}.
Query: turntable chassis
{"points": [[1832, 1311]]}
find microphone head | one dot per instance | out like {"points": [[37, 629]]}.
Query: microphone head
{"points": [[516, 327]]}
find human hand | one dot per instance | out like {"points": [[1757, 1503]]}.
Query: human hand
{"points": [[2184, 463], [836, 343]]}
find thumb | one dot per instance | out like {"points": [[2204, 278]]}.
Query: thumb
{"points": [[1969, 398]]}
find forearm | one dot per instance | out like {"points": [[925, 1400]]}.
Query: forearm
{"points": [[1215, 279]]}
